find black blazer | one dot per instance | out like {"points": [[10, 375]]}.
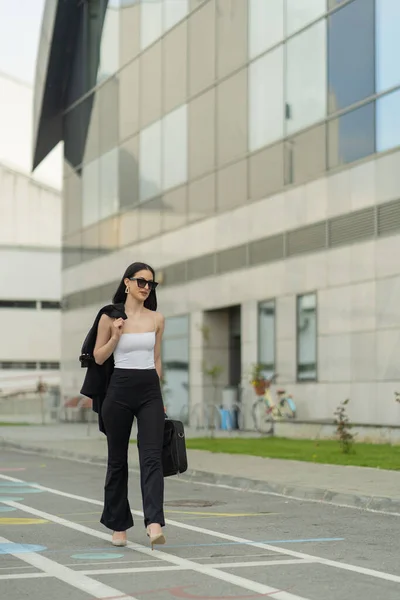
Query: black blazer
{"points": [[97, 376]]}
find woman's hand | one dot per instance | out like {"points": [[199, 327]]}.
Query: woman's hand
{"points": [[117, 327]]}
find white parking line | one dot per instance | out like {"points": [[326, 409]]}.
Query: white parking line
{"points": [[230, 578], [94, 588], [225, 536], [127, 570]]}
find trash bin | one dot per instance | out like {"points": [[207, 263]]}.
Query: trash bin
{"points": [[226, 418], [229, 405]]}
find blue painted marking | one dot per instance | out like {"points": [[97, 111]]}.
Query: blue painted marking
{"points": [[99, 556], [16, 484], [20, 548], [270, 542], [6, 509], [10, 499], [20, 491]]}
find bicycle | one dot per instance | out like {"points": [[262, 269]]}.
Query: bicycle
{"points": [[265, 411]]}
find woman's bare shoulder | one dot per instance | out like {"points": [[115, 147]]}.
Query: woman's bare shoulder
{"points": [[105, 320], [157, 316]]}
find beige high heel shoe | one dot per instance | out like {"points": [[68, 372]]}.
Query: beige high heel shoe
{"points": [[120, 540], [157, 538]]}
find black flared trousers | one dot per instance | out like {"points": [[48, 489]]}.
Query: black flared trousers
{"points": [[133, 393]]}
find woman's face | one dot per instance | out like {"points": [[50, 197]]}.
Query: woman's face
{"points": [[138, 285]]}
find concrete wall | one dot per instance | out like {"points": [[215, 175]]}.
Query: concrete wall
{"points": [[357, 290], [30, 269]]}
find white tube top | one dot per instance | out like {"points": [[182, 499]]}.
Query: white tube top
{"points": [[135, 351]]}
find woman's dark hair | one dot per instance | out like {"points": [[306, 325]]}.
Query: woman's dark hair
{"points": [[120, 295]]}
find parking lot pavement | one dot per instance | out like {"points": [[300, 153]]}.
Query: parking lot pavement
{"points": [[220, 543], [375, 489]]}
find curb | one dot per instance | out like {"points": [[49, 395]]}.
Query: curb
{"points": [[382, 504]]}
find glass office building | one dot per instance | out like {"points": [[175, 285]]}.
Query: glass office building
{"points": [[249, 151]]}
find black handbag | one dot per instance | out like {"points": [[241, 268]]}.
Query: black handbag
{"points": [[174, 457]]}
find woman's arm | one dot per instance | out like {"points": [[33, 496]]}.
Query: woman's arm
{"points": [[160, 321], [108, 333]]}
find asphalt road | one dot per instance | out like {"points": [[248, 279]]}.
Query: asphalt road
{"points": [[221, 543]]}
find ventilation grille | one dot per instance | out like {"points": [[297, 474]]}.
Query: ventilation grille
{"points": [[200, 267], [352, 227], [389, 218], [175, 274], [306, 239], [232, 259], [266, 250]]}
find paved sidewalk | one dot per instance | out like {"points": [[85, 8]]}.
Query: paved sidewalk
{"points": [[353, 486]]}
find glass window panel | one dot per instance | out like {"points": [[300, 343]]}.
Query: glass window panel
{"points": [[266, 101], [232, 31], [129, 228], [90, 193], [306, 78], [150, 162], [351, 136], [174, 11], [150, 87], [82, 132], [305, 156], [174, 209], [232, 122], [307, 337], [351, 74], [108, 235], [175, 71], [387, 44], [74, 137], [266, 172], [129, 31], [388, 122], [265, 23], [150, 218], [266, 336], [176, 327], [109, 48], [151, 17], [129, 100], [175, 147], [301, 13], [129, 173], [72, 203], [202, 134], [91, 127], [232, 186], [201, 198], [109, 120], [201, 48], [175, 358], [109, 203]]}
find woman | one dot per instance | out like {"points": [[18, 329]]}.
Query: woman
{"points": [[134, 391]]}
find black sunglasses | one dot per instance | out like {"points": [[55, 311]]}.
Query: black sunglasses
{"points": [[141, 283]]}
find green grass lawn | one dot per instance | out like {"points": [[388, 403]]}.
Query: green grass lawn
{"points": [[381, 456]]}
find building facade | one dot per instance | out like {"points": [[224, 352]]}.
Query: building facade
{"points": [[30, 282], [249, 150]]}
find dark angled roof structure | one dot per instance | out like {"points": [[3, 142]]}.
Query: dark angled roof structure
{"points": [[60, 78]]}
